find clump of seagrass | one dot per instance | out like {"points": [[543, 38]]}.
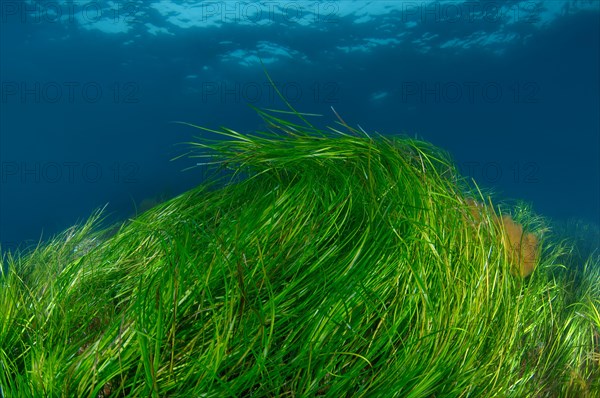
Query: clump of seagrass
{"points": [[323, 263]]}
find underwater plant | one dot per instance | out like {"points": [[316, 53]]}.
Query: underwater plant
{"points": [[319, 263]]}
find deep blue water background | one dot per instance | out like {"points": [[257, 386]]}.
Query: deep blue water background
{"points": [[530, 129]]}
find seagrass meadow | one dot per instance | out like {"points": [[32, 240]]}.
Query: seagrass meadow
{"points": [[317, 262]]}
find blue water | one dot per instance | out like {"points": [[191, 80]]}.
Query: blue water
{"points": [[90, 90]]}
